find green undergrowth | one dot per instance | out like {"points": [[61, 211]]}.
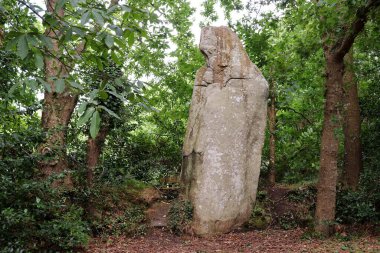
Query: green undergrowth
{"points": [[180, 216], [261, 216], [117, 210], [284, 207], [35, 217]]}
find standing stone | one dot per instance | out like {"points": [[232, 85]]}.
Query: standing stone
{"points": [[225, 134]]}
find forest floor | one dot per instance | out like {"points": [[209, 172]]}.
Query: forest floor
{"points": [[264, 241], [158, 238]]}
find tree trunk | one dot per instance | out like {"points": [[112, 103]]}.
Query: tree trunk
{"points": [[57, 110], [94, 150], [351, 127], [272, 130], [326, 197], [1, 35]]}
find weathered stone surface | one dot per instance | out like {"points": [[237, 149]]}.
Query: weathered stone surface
{"points": [[225, 134]]}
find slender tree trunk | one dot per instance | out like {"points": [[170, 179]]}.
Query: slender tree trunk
{"points": [[1, 35], [94, 150], [272, 137], [57, 109], [351, 127], [94, 146], [326, 197]]}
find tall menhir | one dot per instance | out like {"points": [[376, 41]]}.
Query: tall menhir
{"points": [[225, 134]]}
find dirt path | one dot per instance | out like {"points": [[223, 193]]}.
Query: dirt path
{"points": [[270, 240]]}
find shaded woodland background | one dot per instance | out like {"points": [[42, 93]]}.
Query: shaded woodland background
{"points": [[117, 81]]}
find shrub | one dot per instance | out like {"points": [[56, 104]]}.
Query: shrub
{"points": [[180, 216], [130, 222], [260, 217], [33, 215], [38, 217], [67, 231], [355, 208]]}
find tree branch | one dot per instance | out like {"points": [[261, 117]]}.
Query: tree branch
{"points": [[344, 45], [284, 108]]}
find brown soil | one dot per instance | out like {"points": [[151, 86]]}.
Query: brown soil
{"points": [[270, 240], [157, 214]]}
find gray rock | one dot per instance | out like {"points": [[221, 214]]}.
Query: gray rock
{"points": [[225, 134]]}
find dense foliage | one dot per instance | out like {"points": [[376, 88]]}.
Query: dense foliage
{"points": [[134, 74]]}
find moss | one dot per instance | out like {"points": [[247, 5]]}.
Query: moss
{"points": [[260, 217]]}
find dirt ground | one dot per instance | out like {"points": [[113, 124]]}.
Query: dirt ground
{"points": [[270, 240]]}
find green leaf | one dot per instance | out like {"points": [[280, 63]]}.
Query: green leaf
{"points": [[68, 35], [39, 60], [131, 97], [103, 95], [59, 85], [98, 18], [95, 124], [119, 82], [126, 8], [93, 94], [45, 84], [32, 40], [109, 111], [46, 41], [50, 21], [148, 108], [12, 89], [109, 41], [85, 17], [82, 107], [86, 116], [22, 47], [99, 64], [118, 96], [131, 38], [79, 32], [32, 84], [11, 44], [115, 58], [59, 5], [76, 85], [112, 9]]}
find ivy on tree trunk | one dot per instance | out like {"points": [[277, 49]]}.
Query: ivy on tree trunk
{"points": [[58, 106]]}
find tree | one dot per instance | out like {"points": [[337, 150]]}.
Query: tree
{"points": [[104, 120], [353, 163], [59, 100], [76, 32], [335, 46]]}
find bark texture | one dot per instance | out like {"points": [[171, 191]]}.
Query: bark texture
{"points": [[94, 150], [57, 108], [353, 163], [272, 134], [326, 197], [225, 134]]}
